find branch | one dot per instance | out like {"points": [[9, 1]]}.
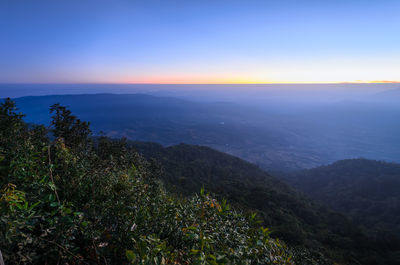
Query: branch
{"points": [[51, 175]]}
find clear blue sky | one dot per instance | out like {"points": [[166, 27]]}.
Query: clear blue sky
{"points": [[198, 41]]}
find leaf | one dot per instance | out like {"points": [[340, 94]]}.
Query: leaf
{"points": [[67, 210], [211, 257], [130, 256], [194, 251], [52, 186], [34, 205], [253, 216], [202, 191]]}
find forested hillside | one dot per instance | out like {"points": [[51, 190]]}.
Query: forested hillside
{"points": [[366, 190], [68, 197], [291, 216], [68, 200]]}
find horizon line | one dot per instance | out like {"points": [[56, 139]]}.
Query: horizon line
{"points": [[227, 83]]}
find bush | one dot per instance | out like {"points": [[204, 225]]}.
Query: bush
{"points": [[72, 200]]}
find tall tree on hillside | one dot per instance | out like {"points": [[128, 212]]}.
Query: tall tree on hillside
{"points": [[67, 126]]}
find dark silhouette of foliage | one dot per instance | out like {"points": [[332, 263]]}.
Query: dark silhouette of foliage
{"points": [[366, 190], [75, 199], [71, 200], [291, 216], [67, 126]]}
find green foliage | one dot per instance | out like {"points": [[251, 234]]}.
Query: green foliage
{"points": [[65, 125], [76, 201], [366, 190], [313, 232]]}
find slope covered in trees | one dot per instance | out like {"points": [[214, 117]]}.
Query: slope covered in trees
{"points": [[74, 199], [68, 200], [366, 190], [291, 217]]}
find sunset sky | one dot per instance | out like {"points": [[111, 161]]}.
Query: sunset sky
{"points": [[190, 41]]}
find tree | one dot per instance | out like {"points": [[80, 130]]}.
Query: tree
{"points": [[72, 130], [10, 121]]}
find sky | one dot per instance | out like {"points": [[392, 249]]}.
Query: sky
{"points": [[199, 41]]}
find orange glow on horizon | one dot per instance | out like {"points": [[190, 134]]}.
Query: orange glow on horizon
{"points": [[204, 81], [200, 80]]}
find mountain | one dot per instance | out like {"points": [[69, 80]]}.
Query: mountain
{"points": [[65, 200], [277, 137], [93, 197], [291, 217], [271, 140], [366, 190]]}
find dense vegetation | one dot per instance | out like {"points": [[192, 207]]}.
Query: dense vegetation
{"points": [[366, 190], [68, 200], [291, 217]]}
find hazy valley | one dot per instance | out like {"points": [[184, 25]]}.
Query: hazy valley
{"points": [[208, 132], [345, 212], [282, 137]]}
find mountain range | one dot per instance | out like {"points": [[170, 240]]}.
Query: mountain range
{"points": [[315, 225], [287, 138], [300, 222], [365, 190]]}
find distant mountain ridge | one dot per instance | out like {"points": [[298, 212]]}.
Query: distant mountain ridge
{"points": [[366, 190], [301, 137], [302, 223], [292, 217], [269, 140]]}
